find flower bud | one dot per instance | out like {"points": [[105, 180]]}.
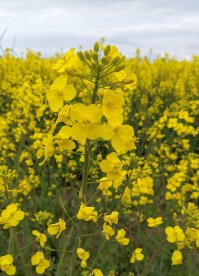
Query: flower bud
{"points": [[81, 56], [87, 54], [107, 50], [95, 56], [96, 47], [115, 60], [105, 60], [119, 68]]}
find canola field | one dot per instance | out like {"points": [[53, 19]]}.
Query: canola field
{"points": [[99, 164]]}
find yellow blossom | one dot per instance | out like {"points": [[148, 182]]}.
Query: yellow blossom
{"points": [[137, 255], [174, 234], [41, 238], [97, 272], [87, 213], [121, 237], [11, 216], [112, 107], [83, 255], [112, 218], [154, 222], [41, 263], [6, 264], [176, 257], [107, 231], [59, 92], [57, 228]]}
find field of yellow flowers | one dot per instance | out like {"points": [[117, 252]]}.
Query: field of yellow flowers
{"points": [[99, 164]]}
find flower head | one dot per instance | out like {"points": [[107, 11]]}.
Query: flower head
{"points": [[41, 263], [57, 228], [137, 255], [176, 257], [11, 216], [6, 264]]}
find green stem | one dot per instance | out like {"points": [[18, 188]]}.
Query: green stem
{"points": [[23, 264], [83, 198], [61, 266]]}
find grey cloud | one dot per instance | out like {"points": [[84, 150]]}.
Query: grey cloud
{"points": [[51, 25]]}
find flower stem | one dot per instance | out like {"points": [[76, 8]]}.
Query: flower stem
{"points": [[23, 264], [83, 198]]}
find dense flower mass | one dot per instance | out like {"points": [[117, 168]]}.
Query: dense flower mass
{"points": [[99, 164]]}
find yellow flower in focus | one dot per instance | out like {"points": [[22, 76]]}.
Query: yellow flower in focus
{"points": [[97, 272], [112, 107], [41, 263], [107, 231], [112, 166], [123, 138], [41, 238], [59, 92], [137, 255], [121, 237], [6, 264], [87, 213], [112, 218], [176, 257], [11, 216], [83, 255], [174, 234], [87, 121], [154, 222], [57, 228]]}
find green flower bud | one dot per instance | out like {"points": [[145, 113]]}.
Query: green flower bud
{"points": [[115, 60], [96, 47], [107, 50], [95, 56], [81, 56], [105, 60], [120, 67], [87, 54]]}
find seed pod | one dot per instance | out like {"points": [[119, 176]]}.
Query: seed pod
{"points": [[81, 56], [96, 47], [107, 50]]}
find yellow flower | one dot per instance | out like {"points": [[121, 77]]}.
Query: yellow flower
{"points": [[87, 213], [41, 263], [107, 231], [63, 141], [11, 216], [112, 218], [137, 255], [176, 257], [6, 264], [87, 121], [154, 222], [174, 234], [57, 228], [121, 237], [112, 166], [83, 255], [59, 92], [123, 138], [97, 272], [112, 107], [41, 238]]}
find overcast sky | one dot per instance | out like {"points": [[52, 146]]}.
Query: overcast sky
{"points": [[49, 26]]}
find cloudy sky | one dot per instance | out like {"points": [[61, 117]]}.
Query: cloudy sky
{"points": [[49, 26]]}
